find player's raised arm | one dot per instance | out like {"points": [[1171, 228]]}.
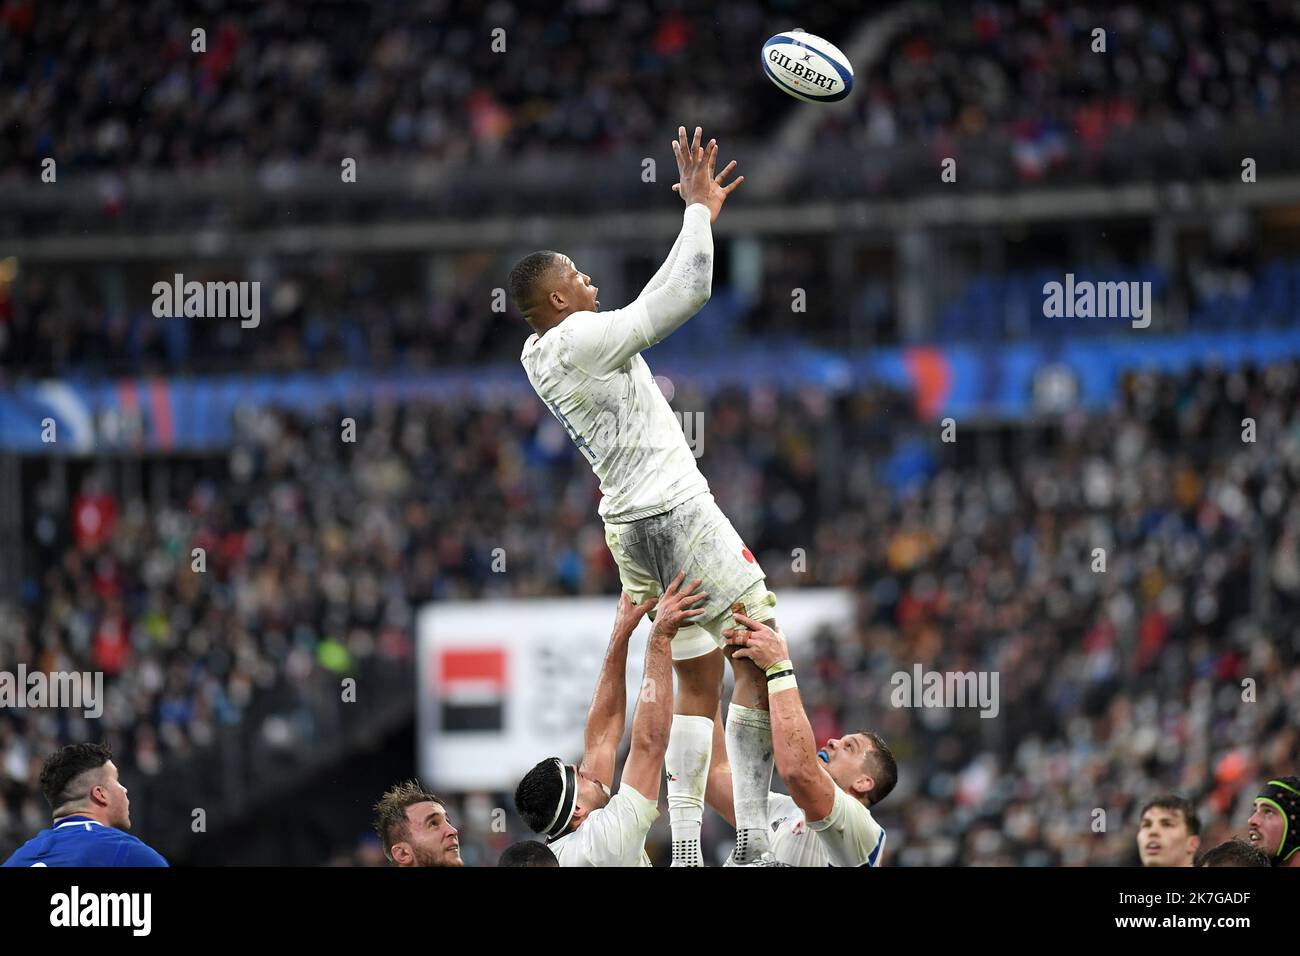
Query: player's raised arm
{"points": [[685, 281], [811, 787], [605, 719], [654, 710], [605, 341], [717, 196]]}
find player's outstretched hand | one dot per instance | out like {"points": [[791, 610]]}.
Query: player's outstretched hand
{"points": [[677, 608], [629, 615], [756, 641], [695, 167]]}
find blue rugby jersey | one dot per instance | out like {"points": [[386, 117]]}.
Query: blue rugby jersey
{"points": [[80, 841]]}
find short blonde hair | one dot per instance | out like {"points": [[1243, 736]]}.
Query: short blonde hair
{"points": [[390, 812]]}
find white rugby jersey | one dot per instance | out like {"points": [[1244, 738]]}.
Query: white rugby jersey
{"points": [[614, 835], [589, 372], [849, 836]]}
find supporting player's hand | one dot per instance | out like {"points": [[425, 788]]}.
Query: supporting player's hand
{"points": [[677, 608], [629, 615], [695, 167], [756, 641]]}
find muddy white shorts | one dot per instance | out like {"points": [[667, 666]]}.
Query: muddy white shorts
{"points": [[697, 538]]}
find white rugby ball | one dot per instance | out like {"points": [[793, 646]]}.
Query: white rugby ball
{"points": [[807, 67]]}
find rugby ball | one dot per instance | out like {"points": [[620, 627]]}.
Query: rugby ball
{"points": [[807, 67]]}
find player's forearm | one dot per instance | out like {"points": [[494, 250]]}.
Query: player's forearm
{"points": [[666, 267], [652, 721], [608, 711], [688, 282], [793, 743], [661, 276], [654, 710]]}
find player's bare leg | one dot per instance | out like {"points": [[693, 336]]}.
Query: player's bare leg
{"points": [[751, 683], [749, 748], [699, 684], [690, 746]]}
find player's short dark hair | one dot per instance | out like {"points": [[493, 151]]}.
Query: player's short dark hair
{"points": [[538, 794], [62, 768], [526, 274], [390, 812], [1172, 801], [1234, 853], [528, 853], [881, 766]]}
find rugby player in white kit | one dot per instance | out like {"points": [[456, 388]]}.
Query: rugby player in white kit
{"points": [[658, 513], [826, 820], [583, 821]]}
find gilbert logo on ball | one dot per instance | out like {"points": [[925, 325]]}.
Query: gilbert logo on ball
{"points": [[807, 67]]}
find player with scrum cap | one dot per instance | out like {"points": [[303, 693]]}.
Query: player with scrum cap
{"points": [[1274, 824], [584, 823]]}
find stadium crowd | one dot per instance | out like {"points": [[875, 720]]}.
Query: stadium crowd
{"points": [[118, 87], [1032, 72], [325, 315], [1114, 685]]}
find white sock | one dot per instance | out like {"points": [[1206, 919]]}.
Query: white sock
{"points": [[749, 747], [690, 748]]}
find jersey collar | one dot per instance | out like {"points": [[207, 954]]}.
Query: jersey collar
{"points": [[76, 818]]}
